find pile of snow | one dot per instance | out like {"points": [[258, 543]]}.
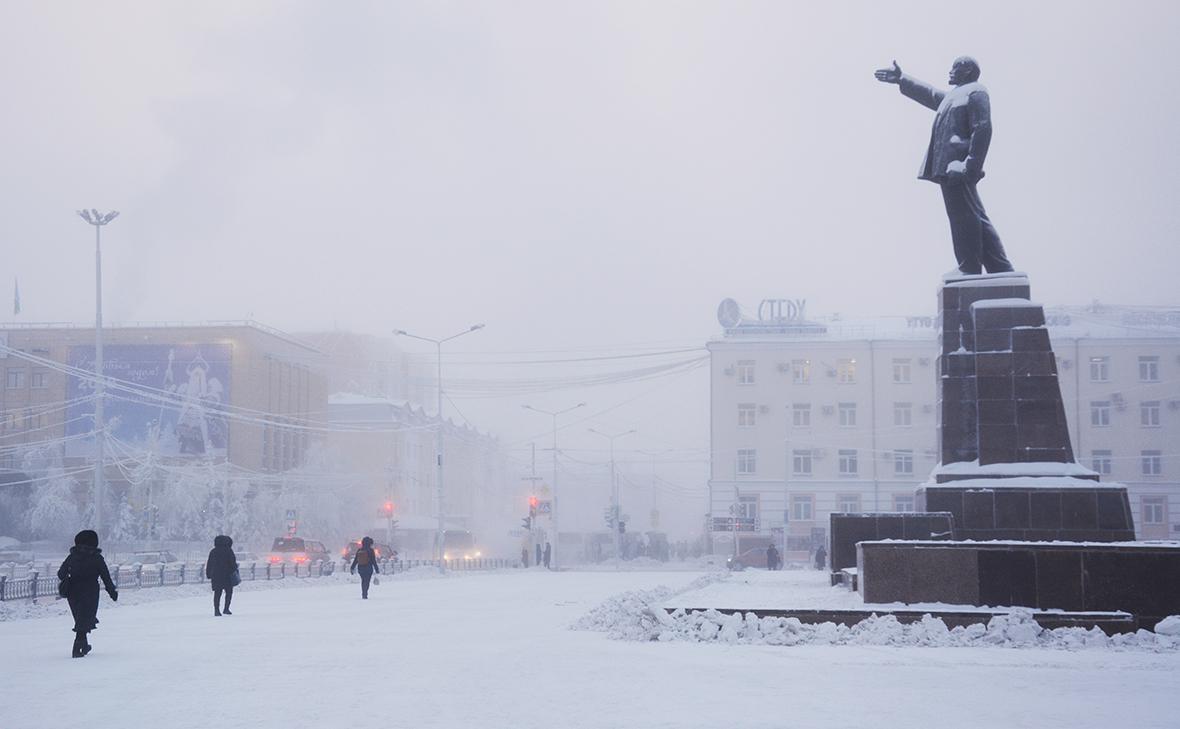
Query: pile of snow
{"points": [[628, 616], [639, 616], [647, 564]]}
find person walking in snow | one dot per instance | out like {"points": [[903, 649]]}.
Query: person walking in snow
{"points": [[222, 570], [365, 562], [539, 557], [524, 556], [548, 554], [772, 558], [821, 557], [79, 575]]}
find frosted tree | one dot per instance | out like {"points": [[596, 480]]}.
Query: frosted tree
{"points": [[55, 513]]}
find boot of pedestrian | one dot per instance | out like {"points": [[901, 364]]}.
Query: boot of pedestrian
{"points": [[86, 647], [79, 642]]}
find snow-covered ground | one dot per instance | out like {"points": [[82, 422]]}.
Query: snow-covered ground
{"points": [[495, 650]]}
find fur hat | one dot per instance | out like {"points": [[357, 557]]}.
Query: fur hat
{"points": [[86, 538]]}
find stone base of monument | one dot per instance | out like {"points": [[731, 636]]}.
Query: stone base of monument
{"points": [[1140, 578], [1032, 509], [846, 529]]}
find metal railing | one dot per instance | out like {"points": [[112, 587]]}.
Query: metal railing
{"points": [[37, 584]]}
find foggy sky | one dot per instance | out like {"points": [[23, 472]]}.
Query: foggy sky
{"points": [[574, 174]]}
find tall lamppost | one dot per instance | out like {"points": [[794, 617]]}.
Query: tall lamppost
{"points": [[98, 220], [616, 507], [554, 414], [438, 440]]}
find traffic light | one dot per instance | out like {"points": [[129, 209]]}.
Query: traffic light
{"points": [[622, 527], [387, 509], [532, 506], [527, 523]]}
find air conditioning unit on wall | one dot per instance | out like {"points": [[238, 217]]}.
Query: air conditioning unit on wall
{"points": [[924, 361], [764, 409], [784, 367], [828, 409], [729, 371]]}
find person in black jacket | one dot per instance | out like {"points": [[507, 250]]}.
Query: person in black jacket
{"points": [[221, 567], [80, 572], [365, 562]]}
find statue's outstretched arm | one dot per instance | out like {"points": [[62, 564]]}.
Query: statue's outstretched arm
{"points": [[920, 91]]}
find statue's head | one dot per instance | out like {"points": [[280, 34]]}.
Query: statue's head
{"points": [[964, 70]]}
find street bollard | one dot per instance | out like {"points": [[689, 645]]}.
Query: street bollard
{"points": [[182, 566], [139, 575], [3, 583], [253, 567], [268, 571], [33, 581], [161, 574]]}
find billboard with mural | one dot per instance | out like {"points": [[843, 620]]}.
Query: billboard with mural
{"points": [[184, 387]]}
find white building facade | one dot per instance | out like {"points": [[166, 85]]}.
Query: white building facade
{"points": [[812, 416]]}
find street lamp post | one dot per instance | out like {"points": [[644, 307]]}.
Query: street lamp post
{"points": [[553, 509], [616, 507], [438, 442], [93, 217]]}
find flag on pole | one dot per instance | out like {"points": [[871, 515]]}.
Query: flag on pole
{"points": [[15, 296]]}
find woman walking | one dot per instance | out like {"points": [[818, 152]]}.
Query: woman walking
{"points": [[222, 570], [79, 575], [365, 562]]}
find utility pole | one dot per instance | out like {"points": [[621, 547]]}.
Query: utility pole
{"points": [[553, 513], [533, 479], [614, 489], [438, 441], [93, 217]]}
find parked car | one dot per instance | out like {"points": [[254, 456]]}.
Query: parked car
{"points": [[755, 557], [384, 551], [161, 556], [298, 550]]}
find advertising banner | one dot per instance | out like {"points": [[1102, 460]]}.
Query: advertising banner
{"points": [[184, 386]]}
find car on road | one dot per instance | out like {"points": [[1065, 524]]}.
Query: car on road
{"points": [[297, 550], [383, 551], [244, 557], [755, 557], [161, 556]]}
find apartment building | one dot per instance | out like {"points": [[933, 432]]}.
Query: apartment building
{"points": [[811, 415]]}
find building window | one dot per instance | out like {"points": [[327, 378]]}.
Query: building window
{"points": [[747, 412], [39, 379], [16, 379], [1149, 413], [1100, 461], [801, 371], [801, 463], [1155, 510], [903, 414], [847, 461], [903, 502], [801, 415], [11, 421], [848, 503], [903, 463], [1099, 369], [847, 414], [802, 507], [846, 371], [1100, 413], [1151, 463], [747, 508], [1149, 369], [902, 372], [745, 372], [747, 461]]}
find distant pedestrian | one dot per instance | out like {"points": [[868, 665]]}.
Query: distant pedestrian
{"points": [[772, 558], [539, 557], [524, 556], [821, 557], [79, 575], [221, 567], [365, 562], [548, 553]]}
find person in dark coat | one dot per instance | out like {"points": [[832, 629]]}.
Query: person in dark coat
{"points": [[771, 557], [81, 571], [220, 568], [524, 556], [539, 555], [548, 554], [365, 562], [821, 557]]}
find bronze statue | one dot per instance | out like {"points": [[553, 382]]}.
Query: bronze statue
{"points": [[954, 160]]}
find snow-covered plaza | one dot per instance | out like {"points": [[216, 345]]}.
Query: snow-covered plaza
{"points": [[497, 650]]}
